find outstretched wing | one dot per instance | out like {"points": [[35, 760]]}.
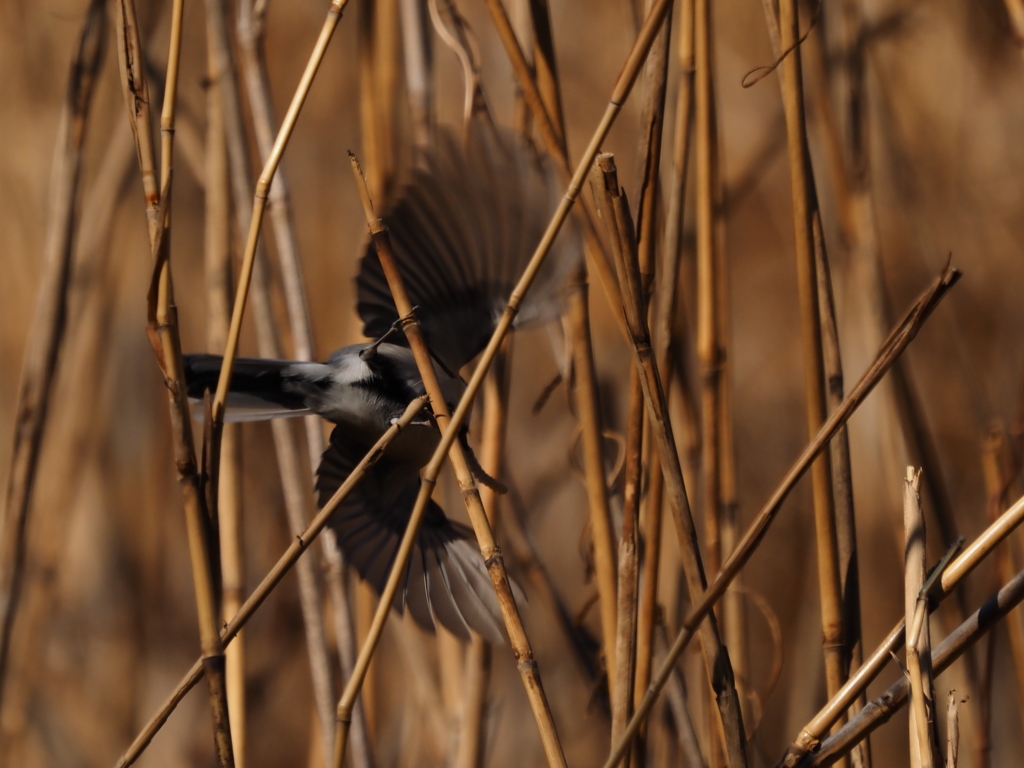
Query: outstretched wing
{"points": [[463, 231], [445, 580]]}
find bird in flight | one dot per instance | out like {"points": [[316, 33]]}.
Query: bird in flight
{"points": [[463, 229]]}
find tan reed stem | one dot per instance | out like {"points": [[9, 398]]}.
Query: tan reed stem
{"points": [[709, 350], [716, 657], [46, 334], [952, 731], [664, 322], [218, 312], [628, 571], [895, 344], [419, 70], [842, 476], [294, 480], [251, 29], [949, 650], [291, 555], [804, 207], [923, 745], [549, 122], [588, 405], [652, 121], [811, 733], [378, 87], [260, 201], [488, 548], [1001, 483], [164, 337], [471, 745]]}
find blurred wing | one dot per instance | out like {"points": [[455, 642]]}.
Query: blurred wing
{"points": [[463, 231], [445, 580], [259, 389]]}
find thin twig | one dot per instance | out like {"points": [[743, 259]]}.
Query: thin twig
{"points": [[48, 323]]}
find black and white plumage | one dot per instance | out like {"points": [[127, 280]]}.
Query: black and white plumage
{"points": [[463, 230]]}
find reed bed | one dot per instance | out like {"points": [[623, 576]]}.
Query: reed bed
{"points": [[816, 276]]}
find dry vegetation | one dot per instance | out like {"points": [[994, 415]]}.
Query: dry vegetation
{"points": [[814, 206]]}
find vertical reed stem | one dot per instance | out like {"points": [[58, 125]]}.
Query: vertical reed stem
{"points": [[218, 309], [923, 740], [804, 207], [46, 335]]}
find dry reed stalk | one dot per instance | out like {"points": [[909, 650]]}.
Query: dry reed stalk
{"points": [[260, 201], [251, 28], [419, 71], [628, 564], [548, 121], [294, 480], [1000, 470], [949, 650], [46, 335], [665, 305], [804, 207], [894, 346], [652, 121], [588, 406], [716, 657], [291, 555], [952, 731], [166, 342], [652, 118], [78, 389], [378, 81], [470, 750], [675, 693], [709, 350], [952, 576], [923, 744], [218, 313], [518, 639], [842, 477]]}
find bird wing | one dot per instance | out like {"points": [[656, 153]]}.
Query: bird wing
{"points": [[463, 231], [445, 580], [259, 389]]}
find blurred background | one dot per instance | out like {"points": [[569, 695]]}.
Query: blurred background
{"points": [[107, 622]]}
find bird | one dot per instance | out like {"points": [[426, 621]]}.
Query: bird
{"points": [[463, 228]]}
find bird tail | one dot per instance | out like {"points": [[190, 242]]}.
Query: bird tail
{"points": [[445, 581], [260, 389]]}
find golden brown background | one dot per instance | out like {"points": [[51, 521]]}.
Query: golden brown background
{"points": [[107, 621]]}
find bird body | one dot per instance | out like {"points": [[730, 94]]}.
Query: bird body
{"points": [[462, 231]]}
